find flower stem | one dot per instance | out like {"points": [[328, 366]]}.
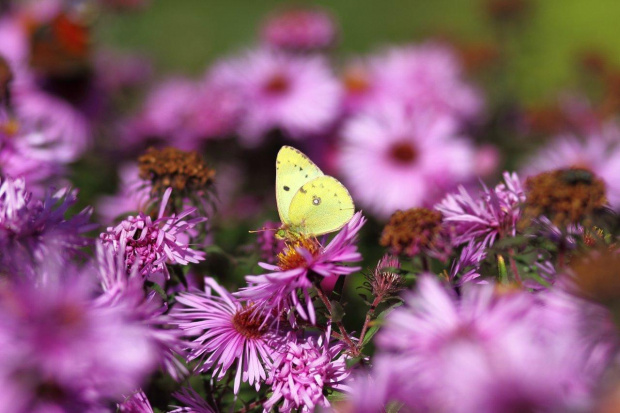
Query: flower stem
{"points": [[343, 331], [369, 317]]}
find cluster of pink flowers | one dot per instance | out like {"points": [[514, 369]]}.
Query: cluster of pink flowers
{"points": [[492, 295]]}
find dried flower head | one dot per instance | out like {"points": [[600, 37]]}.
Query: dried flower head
{"points": [[595, 275], [411, 231], [186, 172], [383, 281], [6, 77], [565, 196]]}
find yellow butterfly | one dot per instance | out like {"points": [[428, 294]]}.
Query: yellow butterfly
{"points": [[309, 202]]}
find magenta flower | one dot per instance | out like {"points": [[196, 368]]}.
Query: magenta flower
{"points": [[303, 370], [297, 94], [126, 291], [425, 76], [227, 332], [484, 218], [136, 403], [154, 243], [394, 158], [278, 290], [299, 30], [598, 152], [193, 402], [63, 352], [31, 229], [466, 267], [442, 352], [269, 245]]}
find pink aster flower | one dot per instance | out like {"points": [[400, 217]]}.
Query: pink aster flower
{"points": [[443, 352], [154, 243], [136, 403], [32, 229], [63, 352], [299, 29], [487, 216], [303, 370], [184, 113], [279, 289], [598, 152], [297, 94], [193, 402], [394, 158], [127, 291], [227, 333], [427, 76]]}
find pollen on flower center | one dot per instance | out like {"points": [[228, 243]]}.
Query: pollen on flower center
{"points": [[277, 84], [290, 257], [356, 81], [403, 152], [249, 324]]}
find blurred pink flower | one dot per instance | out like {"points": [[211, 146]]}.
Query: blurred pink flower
{"points": [[427, 75], [299, 29], [132, 196], [297, 94], [598, 152], [394, 158], [183, 113]]}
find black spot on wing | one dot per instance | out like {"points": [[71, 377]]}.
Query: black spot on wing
{"points": [[286, 188]]}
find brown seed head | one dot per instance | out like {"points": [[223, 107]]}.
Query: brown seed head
{"points": [[6, 77], [383, 281], [565, 196], [249, 323], [411, 231], [169, 167]]}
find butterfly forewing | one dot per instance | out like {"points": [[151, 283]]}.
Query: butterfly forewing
{"points": [[321, 206], [293, 169]]}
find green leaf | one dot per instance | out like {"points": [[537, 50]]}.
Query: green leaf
{"points": [[371, 332], [337, 396]]}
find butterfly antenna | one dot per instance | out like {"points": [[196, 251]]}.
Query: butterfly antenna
{"points": [[263, 229]]}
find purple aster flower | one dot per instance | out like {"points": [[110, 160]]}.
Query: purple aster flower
{"points": [[395, 158], [442, 353], [303, 370], [155, 243], [136, 403], [427, 76], [193, 401], [126, 291], [490, 215], [598, 152], [227, 332], [299, 30], [31, 229], [297, 94], [63, 352], [466, 267], [300, 261]]}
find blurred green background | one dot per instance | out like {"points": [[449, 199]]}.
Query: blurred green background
{"points": [[185, 35]]}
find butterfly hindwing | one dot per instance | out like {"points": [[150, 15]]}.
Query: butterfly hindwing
{"points": [[321, 206], [293, 169]]}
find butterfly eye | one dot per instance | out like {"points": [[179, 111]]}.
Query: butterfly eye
{"points": [[316, 200]]}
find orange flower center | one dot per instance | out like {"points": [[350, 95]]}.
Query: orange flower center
{"points": [[249, 324], [290, 257]]}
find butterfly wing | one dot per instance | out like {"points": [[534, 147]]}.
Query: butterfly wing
{"points": [[321, 206], [293, 169]]}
